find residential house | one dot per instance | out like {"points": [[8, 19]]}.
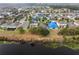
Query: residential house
{"points": [[10, 26], [24, 25], [73, 24], [53, 25], [35, 24], [62, 24]]}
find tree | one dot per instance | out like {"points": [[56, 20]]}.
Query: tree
{"points": [[30, 19], [39, 31]]}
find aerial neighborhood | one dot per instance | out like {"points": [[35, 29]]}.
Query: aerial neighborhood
{"points": [[47, 17], [51, 23], [47, 24]]}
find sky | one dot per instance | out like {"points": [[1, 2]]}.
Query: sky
{"points": [[2, 5], [39, 1]]}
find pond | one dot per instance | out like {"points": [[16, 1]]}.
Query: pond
{"points": [[34, 49]]}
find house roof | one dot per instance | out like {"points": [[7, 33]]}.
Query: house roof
{"points": [[52, 25], [13, 25]]}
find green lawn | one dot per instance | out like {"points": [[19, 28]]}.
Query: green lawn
{"points": [[71, 45], [73, 41], [6, 42], [10, 32]]}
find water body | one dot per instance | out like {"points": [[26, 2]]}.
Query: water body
{"points": [[34, 49]]}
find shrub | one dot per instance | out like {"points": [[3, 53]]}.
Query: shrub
{"points": [[69, 31], [39, 31], [21, 30]]}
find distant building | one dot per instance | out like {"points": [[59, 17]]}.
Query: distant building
{"points": [[11, 26], [33, 25], [73, 24], [24, 25], [62, 24]]}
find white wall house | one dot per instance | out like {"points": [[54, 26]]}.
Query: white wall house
{"points": [[33, 25]]}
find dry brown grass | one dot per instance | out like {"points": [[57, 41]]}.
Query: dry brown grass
{"points": [[31, 37]]}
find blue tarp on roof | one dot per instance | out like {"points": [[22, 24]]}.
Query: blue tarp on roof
{"points": [[52, 25]]}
